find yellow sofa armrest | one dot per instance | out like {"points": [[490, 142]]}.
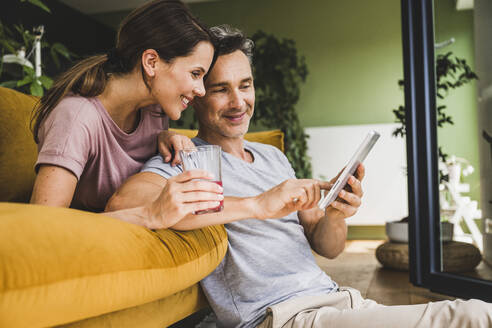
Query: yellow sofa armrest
{"points": [[18, 151], [272, 137], [60, 265]]}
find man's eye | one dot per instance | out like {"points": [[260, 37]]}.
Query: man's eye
{"points": [[219, 90], [245, 86]]}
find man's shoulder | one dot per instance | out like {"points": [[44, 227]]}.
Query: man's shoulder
{"points": [[157, 165], [263, 148], [271, 156], [270, 152]]}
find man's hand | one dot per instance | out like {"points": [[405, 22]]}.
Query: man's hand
{"points": [[349, 199], [291, 195], [169, 142], [327, 230]]}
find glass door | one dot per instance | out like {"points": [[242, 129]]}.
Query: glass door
{"points": [[449, 124]]}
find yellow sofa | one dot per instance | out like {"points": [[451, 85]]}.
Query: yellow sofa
{"points": [[70, 268]]}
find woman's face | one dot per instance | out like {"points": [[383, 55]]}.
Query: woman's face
{"points": [[175, 84]]}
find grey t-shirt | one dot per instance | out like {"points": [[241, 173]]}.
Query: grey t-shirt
{"points": [[267, 261]]}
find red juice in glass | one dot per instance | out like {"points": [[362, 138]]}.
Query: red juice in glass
{"points": [[215, 209]]}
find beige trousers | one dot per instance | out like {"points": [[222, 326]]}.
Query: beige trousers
{"points": [[347, 309]]}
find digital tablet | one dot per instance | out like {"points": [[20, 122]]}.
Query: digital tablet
{"points": [[359, 156]]}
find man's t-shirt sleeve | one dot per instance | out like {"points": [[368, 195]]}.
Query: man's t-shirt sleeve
{"points": [[157, 165], [283, 160]]}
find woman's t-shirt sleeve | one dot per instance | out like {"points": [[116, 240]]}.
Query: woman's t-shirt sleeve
{"points": [[64, 136]]}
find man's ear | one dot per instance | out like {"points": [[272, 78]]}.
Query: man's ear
{"points": [[150, 59]]}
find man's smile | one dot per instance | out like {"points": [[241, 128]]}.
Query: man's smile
{"points": [[235, 118]]}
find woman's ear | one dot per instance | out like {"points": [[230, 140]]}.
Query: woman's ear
{"points": [[150, 59]]}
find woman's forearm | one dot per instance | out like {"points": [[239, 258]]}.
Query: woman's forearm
{"points": [[235, 208], [137, 215]]}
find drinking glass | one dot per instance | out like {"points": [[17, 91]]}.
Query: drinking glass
{"points": [[208, 158]]}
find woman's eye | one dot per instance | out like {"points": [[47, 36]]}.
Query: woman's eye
{"points": [[196, 74]]}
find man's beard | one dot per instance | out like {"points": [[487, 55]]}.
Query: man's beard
{"points": [[236, 134], [248, 112]]}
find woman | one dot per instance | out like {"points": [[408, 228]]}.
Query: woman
{"points": [[100, 121]]}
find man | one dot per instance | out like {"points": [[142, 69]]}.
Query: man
{"points": [[269, 277]]}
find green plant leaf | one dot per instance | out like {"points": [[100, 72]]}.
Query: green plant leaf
{"points": [[46, 82], [61, 49], [55, 58], [26, 80], [8, 84], [38, 3], [9, 45], [36, 89], [451, 73], [28, 70]]}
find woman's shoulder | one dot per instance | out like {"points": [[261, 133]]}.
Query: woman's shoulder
{"points": [[75, 109], [154, 116], [73, 104]]}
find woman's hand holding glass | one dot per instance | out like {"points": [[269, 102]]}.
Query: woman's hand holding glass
{"points": [[184, 194]]}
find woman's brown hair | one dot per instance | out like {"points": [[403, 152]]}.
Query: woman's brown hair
{"points": [[167, 26]]}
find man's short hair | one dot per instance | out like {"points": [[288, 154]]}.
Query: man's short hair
{"points": [[229, 39]]}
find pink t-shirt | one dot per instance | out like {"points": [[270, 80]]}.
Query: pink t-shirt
{"points": [[80, 136]]}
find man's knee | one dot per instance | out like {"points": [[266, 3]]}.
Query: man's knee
{"points": [[474, 313]]}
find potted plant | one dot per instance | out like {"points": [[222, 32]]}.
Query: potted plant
{"points": [[20, 56], [451, 72], [279, 72]]}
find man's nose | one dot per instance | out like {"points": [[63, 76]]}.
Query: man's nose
{"points": [[236, 101]]}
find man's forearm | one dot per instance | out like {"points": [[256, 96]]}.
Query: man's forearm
{"points": [[235, 209], [329, 236]]}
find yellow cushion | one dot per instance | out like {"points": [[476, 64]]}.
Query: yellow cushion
{"points": [[160, 313], [18, 151], [272, 137], [62, 265]]}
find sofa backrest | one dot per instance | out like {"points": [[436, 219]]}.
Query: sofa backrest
{"points": [[18, 151], [271, 137]]}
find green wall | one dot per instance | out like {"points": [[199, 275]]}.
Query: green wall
{"points": [[352, 48]]}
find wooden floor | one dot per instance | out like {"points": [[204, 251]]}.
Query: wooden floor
{"points": [[358, 267]]}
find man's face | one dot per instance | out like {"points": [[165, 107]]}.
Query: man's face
{"points": [[228, 104]]}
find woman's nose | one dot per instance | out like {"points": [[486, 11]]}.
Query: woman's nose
{"points": [[199, 90]]}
